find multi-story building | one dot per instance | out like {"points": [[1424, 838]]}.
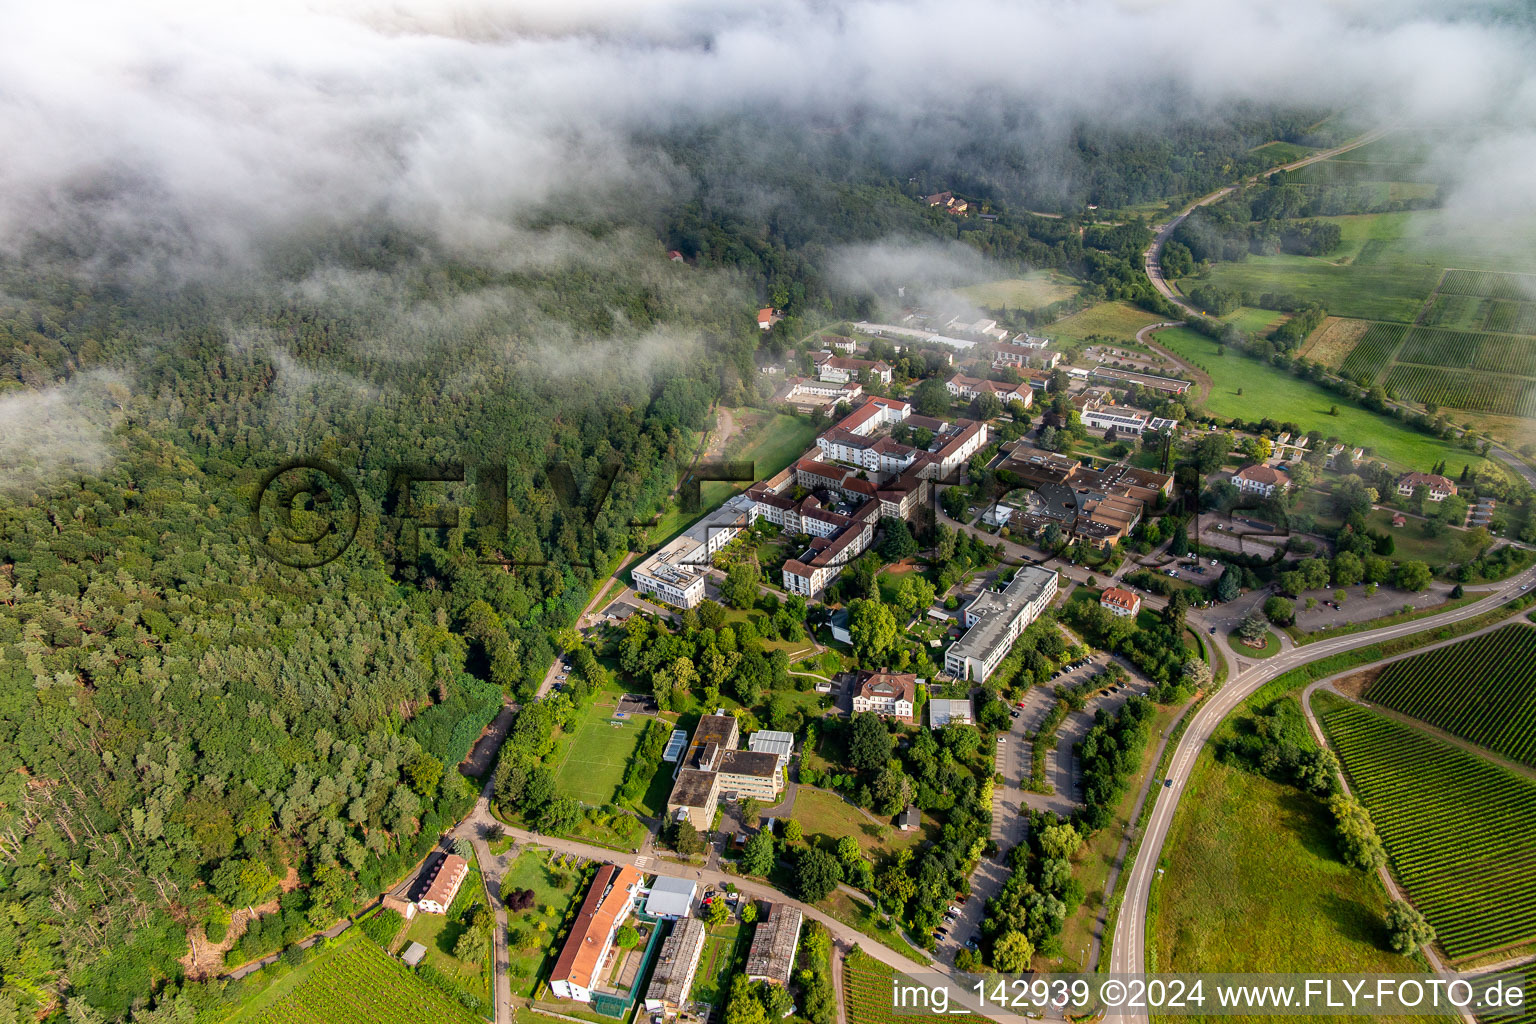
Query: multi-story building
{"points": [[962, 386], [713, 768], [442, 885], [675, 574], [1265, 481], [580, 964], [676, 966], [993, 621], [1119, 602], [1435, 487], [842, 369], [886, 693], [771, 957]]}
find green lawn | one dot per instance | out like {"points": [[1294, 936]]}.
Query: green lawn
{"points": [[1270, 649], [1410, 542], [352, 980], [1253, 320], [1252, 882], [1035, 289], [769, 441], [1282, 152], [822, 813], [439, 933], [1269, 391], [595, 760], [529, 945], [1119, 320], [724, 953]]}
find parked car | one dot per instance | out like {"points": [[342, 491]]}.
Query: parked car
{"points": [[1213, 631], [970, 943], [1001, 740], [1013, 714], [954, 910]]}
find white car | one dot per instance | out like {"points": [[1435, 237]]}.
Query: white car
{"points": [[1001, 740]]}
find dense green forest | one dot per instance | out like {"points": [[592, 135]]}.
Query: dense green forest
{"points": [[188, 728]]}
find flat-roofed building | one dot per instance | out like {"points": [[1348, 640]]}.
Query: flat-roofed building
{"points": [[943, 710], [749, 774], [676, 573], [994, 619], [670, 898], [608, 902], [771, 957], [676, 965], [770, 741], [695, 796]]}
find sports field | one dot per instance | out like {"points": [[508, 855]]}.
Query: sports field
{"points": [[1456, 826], [1035, 289], [1269, 391], [594, 761]]}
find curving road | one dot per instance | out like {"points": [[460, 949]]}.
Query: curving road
{"points": [[1152, 259], [1129, 954]]}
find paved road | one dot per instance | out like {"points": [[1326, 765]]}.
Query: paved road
{"points": [[480, 817], [1129, 955], [1152, 259]]}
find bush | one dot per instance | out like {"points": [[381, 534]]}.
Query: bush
{"points": [[382, 926]]}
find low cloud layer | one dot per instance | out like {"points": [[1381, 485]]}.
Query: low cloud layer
{"points": [[57, 432], [185, 137]]}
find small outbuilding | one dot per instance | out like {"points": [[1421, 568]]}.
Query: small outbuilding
{"points": [[413, 954]]}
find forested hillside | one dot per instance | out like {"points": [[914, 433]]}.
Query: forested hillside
{"points": [[188, 728]]}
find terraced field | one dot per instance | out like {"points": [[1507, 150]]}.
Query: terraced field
{"points": [[1481, 689], [1458, 829]]}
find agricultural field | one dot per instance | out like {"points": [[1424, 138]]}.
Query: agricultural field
{"points": [[1270, 391], [1372, 352], [1035, 289], [354, 980], [1282, 152], [1252, 883], [1456, 827], [1463, 389], [1332, 342], [867, 994], [439, 933], [1119, 320], [1496, 353], [1388, 290], [1515, 287], [1481, 689]]}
